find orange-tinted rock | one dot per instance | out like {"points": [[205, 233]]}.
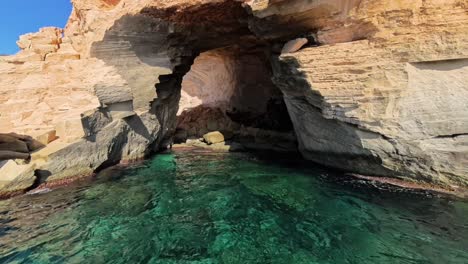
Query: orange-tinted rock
{"points": [[294, 45], [384, 91]]}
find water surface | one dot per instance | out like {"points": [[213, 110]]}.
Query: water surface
{"points": [[192, 207]]}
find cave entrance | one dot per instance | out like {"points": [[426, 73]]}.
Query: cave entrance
{"points": [[230, 90], [220, 75]]}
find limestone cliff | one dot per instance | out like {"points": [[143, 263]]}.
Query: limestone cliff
{"points": [[380, 88], [391, 100]]}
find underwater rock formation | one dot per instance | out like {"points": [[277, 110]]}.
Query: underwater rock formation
{"points": [[372, 87]]}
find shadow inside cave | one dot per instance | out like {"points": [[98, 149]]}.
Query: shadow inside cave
{"points": [[161, 46]]}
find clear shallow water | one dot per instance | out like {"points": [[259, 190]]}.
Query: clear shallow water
{"points": [[230, 208]]}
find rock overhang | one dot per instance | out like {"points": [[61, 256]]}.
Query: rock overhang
{"points": [[357, 78]]}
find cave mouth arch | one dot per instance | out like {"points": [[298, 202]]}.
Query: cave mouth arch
{"points": [[230, 90], [222, 79], [162, 47]]}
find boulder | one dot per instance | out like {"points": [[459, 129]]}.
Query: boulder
{"points": [[294, 45], [10, 137], [70, 130], [15, 146], [47, 137], [213, 137], [15, 143], [15, 178], [7, 155]]}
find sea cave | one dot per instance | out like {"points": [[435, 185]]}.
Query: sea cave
{"points": [[236, 131]]}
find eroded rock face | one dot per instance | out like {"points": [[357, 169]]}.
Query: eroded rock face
{"points": [[213, 137], [394, 104], [228, 79], [380, 87], [15, 177]]}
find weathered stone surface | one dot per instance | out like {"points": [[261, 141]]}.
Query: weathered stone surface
{"points": [[36, 96], [294, 45], [383, 93], [15, 178], [61, 56], [49, 90], [8, 154], [46, 41], [15, 146], [121, 140], [395, 104], [47, 137], [213, 137], [95, 120]]}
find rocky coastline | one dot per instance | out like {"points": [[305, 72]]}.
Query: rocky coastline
{"points": [[368, 87]]}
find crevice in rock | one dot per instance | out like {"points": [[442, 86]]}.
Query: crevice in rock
{"points": [[41, 177], [37, 182], [165, 106], [453, 136]]}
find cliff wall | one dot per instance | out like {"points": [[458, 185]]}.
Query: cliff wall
{"points": [[379, 89]]}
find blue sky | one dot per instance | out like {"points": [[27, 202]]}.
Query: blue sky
{"points": [[18, 17]]}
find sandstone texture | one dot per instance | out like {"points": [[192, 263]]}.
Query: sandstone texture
{"points": [[228, 79], [15, 177], [376, 87], [15, 146], [391, 100], [294, 45], [213, 137]]}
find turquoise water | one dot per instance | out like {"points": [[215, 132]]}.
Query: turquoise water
{"points": [[195, 207]]}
